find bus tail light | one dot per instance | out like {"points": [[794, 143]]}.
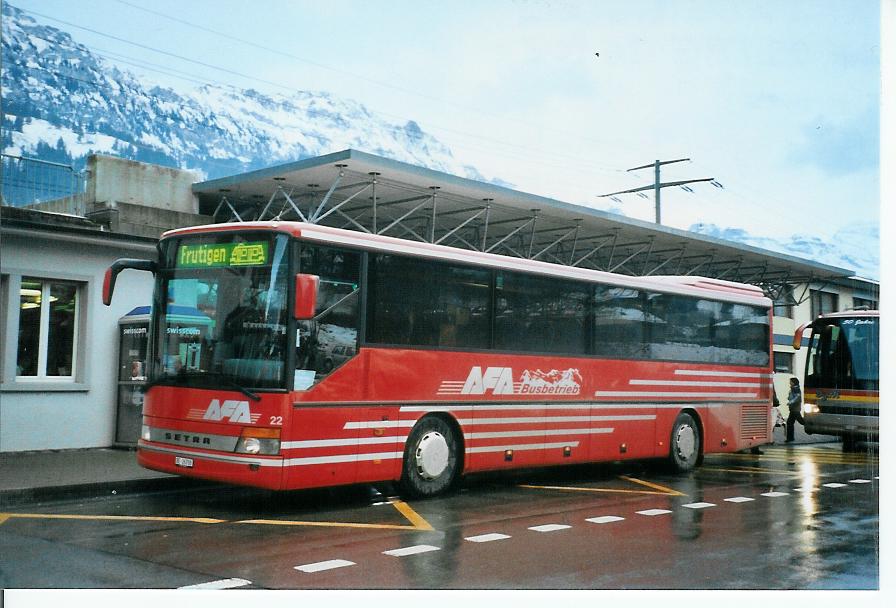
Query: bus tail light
{"points": [[259, 441]]}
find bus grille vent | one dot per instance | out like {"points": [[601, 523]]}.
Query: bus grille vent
{"points": [[754, 421]]}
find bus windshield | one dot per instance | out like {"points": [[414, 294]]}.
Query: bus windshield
{"points": [[226, 312], [843, 354]]}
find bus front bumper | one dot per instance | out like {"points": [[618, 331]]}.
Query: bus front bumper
{"points": [[239, 469], [841, 424]]}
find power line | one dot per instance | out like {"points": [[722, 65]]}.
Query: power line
{"points": [[260, 80], [657, 186], [352, 74]]}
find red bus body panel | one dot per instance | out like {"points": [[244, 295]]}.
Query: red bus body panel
{"points": [[512, 410]]}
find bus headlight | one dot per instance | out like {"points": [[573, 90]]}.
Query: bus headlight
{"points": [[145, 434], [810, 408], [259, 441]]}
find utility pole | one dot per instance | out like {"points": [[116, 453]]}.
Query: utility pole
{"points": [[656, 184]]}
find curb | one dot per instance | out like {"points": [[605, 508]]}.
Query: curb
{"points": [[25, 496]]}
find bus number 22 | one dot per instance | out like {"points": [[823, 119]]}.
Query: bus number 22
{"points": [[277, 420]]}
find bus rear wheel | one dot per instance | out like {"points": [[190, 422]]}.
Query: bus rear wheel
{"points": [[684, 445], [431, 460]]}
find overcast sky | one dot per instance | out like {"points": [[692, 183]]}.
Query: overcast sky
{"points": [[778, 101]]}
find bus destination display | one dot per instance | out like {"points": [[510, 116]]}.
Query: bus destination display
{"points": [[222, 255]]}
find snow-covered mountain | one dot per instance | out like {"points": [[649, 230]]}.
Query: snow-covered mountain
{"points": [[857, 246], [61, 102]]}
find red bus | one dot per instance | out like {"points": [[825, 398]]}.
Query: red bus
{"points": [[320, 356]]}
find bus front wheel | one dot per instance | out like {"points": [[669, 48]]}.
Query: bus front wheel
{"points": [[430, 459], [684, 445]]}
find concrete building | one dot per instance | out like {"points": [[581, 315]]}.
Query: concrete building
{"points": [[59, 361]]}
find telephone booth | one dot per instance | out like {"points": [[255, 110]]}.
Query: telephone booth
{"points": [[133, 338]]}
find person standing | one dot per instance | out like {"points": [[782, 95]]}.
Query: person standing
{"points": [[795, 406]]}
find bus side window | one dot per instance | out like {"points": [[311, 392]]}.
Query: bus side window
{"points": [[331, 338]]}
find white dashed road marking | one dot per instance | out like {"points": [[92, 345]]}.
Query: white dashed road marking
{"points": [[411, 550], [227, 583], [327, 565], [486, 538], [605, 519], [494, 536], [550, 527], [653, 512]]}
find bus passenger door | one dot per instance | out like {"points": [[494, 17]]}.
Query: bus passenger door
{"points": [[380, 446]]}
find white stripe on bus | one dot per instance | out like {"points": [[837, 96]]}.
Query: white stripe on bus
{"points": [[702, 372], [537, 432], [674, 394], [550, 406], [520, 447], [341, 458], [549, 419], [691, 383], [326, 443], [378, 424]]}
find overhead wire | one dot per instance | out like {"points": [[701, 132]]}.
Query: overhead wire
{"points": [[586, 165], [535, 157], [377, 82]]}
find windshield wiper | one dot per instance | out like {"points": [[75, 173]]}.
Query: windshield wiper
{"points": [[183, 376], [234, 384]]}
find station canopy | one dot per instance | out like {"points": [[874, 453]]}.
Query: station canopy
{"points": [[369, 193]]}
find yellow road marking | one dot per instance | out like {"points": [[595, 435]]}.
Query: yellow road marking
{"points": [[198, 520], [660, 490], [822, 459], [411, 515], [571, 489], [751, 471], [417, 522], [655, 486], [324, 524]]}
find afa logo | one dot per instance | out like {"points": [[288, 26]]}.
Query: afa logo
{"points": [[230, 410], [499, 381]]}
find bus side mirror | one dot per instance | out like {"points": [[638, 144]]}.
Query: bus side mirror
{"points": [[119, 265], [798, 335], [306, 296]]}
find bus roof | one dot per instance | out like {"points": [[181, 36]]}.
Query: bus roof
{"points": [[849, 314], [685, 285]]}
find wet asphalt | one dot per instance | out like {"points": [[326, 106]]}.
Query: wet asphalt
{"points": [[803, 517]]}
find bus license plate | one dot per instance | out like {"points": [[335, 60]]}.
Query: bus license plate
{"points": [[183, 462]]}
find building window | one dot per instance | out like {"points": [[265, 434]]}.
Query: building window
{"points": [[823, 302], [784, 303], [48, 329], [784, 363], [859, 303]]}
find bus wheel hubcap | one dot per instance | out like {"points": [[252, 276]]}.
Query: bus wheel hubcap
{"points": [[432, 455], [686, 442]]}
